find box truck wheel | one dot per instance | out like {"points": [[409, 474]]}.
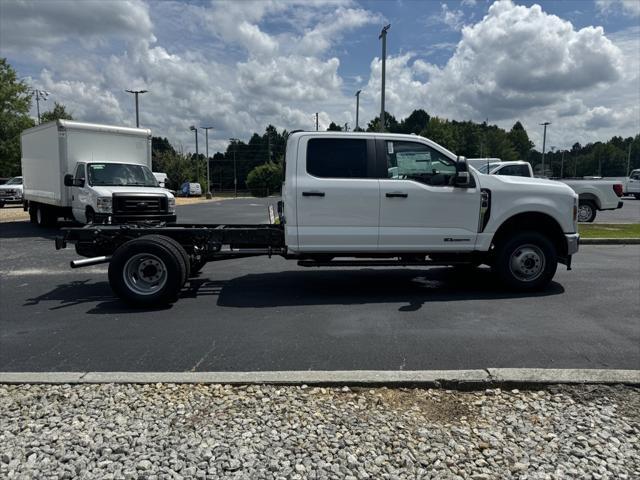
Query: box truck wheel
{"points": [[525, 261], [44, 216], [179, 249], [147, 271]]}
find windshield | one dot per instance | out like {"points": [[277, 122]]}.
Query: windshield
{"points": [[487, 167], [14, 181], [119, 174]]}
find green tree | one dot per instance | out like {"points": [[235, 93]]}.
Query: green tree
{"points": [[520, 140], [391, 125], [265, 179], [334, 128], [415, 123], [442, 132], [59, 112], [15, 102]]}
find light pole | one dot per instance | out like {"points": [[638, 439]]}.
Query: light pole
{"points": [[206, 136], [357, 109], [383, 36], [136, 93], [235, 170], [40, 95], [544, 143], [195, 130]]}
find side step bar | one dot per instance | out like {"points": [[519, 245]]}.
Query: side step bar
{"points": [[375, 263]]}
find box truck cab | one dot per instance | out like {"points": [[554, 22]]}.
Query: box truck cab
{"points": [[91, 173]]}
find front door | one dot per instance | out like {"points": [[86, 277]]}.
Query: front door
{"points": [[420, 209], [338, 195], [79, 194]]}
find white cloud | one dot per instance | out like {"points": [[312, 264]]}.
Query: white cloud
{"points": [[628, 7], [451, 18], [517, 63]]}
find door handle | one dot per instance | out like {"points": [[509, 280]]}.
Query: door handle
{"points": [[313, 194], [396, 195]]}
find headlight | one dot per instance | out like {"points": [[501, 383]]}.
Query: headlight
{"points": [[104, 204], [172, 204]]}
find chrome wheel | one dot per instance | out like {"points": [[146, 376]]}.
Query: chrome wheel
{"points": [[527, 263], [585, 211], [144, 274]]}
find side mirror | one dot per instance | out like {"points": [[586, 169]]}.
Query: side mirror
{"points": [[463, 177], [68, 180]]}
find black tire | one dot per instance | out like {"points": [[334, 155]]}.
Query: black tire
{"points": [[44, 217], [587, 211], [179, 249], [159, 261], [90, 216], [526, 261], [2, 202], [32, 214], [637, 195]]}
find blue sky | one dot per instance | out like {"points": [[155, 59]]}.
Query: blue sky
{"points": [[241, 65]]}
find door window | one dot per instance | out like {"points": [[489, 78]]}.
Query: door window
{"points": [[419, 162], [337, 158], [79, 172], [514, 171]]}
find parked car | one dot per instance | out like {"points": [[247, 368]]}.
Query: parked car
{"points": [[633, 184], [355, 200], [11, 191], [190, 189]]}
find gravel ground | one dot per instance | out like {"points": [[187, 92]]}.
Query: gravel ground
{"points": [[215, 431]]}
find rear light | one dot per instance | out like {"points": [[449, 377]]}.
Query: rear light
{"points": [[618, 189]]}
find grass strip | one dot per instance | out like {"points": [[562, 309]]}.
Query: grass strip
{"points": [[612, 230]]}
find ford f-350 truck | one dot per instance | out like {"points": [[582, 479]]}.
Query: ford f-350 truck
{"points": [[359, 199]]}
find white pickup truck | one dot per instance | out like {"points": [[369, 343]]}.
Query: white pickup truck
{"points": [[359, 199], [593, 194]]}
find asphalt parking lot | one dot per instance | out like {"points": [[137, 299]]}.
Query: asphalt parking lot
{"points": [[269, 314]]}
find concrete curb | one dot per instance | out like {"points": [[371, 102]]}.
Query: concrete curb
{"points": [[609, 241], [438, 378]]}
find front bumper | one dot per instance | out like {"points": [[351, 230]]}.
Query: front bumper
{"points": [[119, 218], [573, 242], [11, 198]]}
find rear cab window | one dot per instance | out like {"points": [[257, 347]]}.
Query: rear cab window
{"points": [[338, 158]]}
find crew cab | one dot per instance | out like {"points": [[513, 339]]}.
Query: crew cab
{"points": [[359, 199]]}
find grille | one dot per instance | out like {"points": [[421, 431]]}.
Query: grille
{"points": [[7, 193], [139, 204]]}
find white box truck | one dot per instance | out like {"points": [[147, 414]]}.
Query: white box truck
{"points": [[91, 173]]}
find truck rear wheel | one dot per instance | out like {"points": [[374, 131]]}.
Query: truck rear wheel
{"points": [[527, 261], [586, 211], [44, 217], [147, 271], [179, 249]]}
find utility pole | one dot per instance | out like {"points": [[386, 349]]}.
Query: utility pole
{"points": [[383, 36], [136, 93], [316, 121], [544, 143], [40, 95], [235, 171], [206, 136], [628, 162], [357, 109], [562, 165], [195, 130]]}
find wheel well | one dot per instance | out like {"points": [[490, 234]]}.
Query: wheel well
{"points": [[534, 221], [584, 197]]}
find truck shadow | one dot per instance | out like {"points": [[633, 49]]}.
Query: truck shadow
{"points": [[26, 229], [412, 288]]}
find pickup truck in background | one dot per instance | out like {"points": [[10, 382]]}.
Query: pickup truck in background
{"points": [[11, 191], [633, 184], [91, 173], [359, 199], [593, 194]]}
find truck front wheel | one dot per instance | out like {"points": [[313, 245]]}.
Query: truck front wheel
{"points": [[586, 211], [526, 261], [147, 271]]}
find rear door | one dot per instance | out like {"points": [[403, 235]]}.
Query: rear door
{"points": [[337, 194], [420, 210]]}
